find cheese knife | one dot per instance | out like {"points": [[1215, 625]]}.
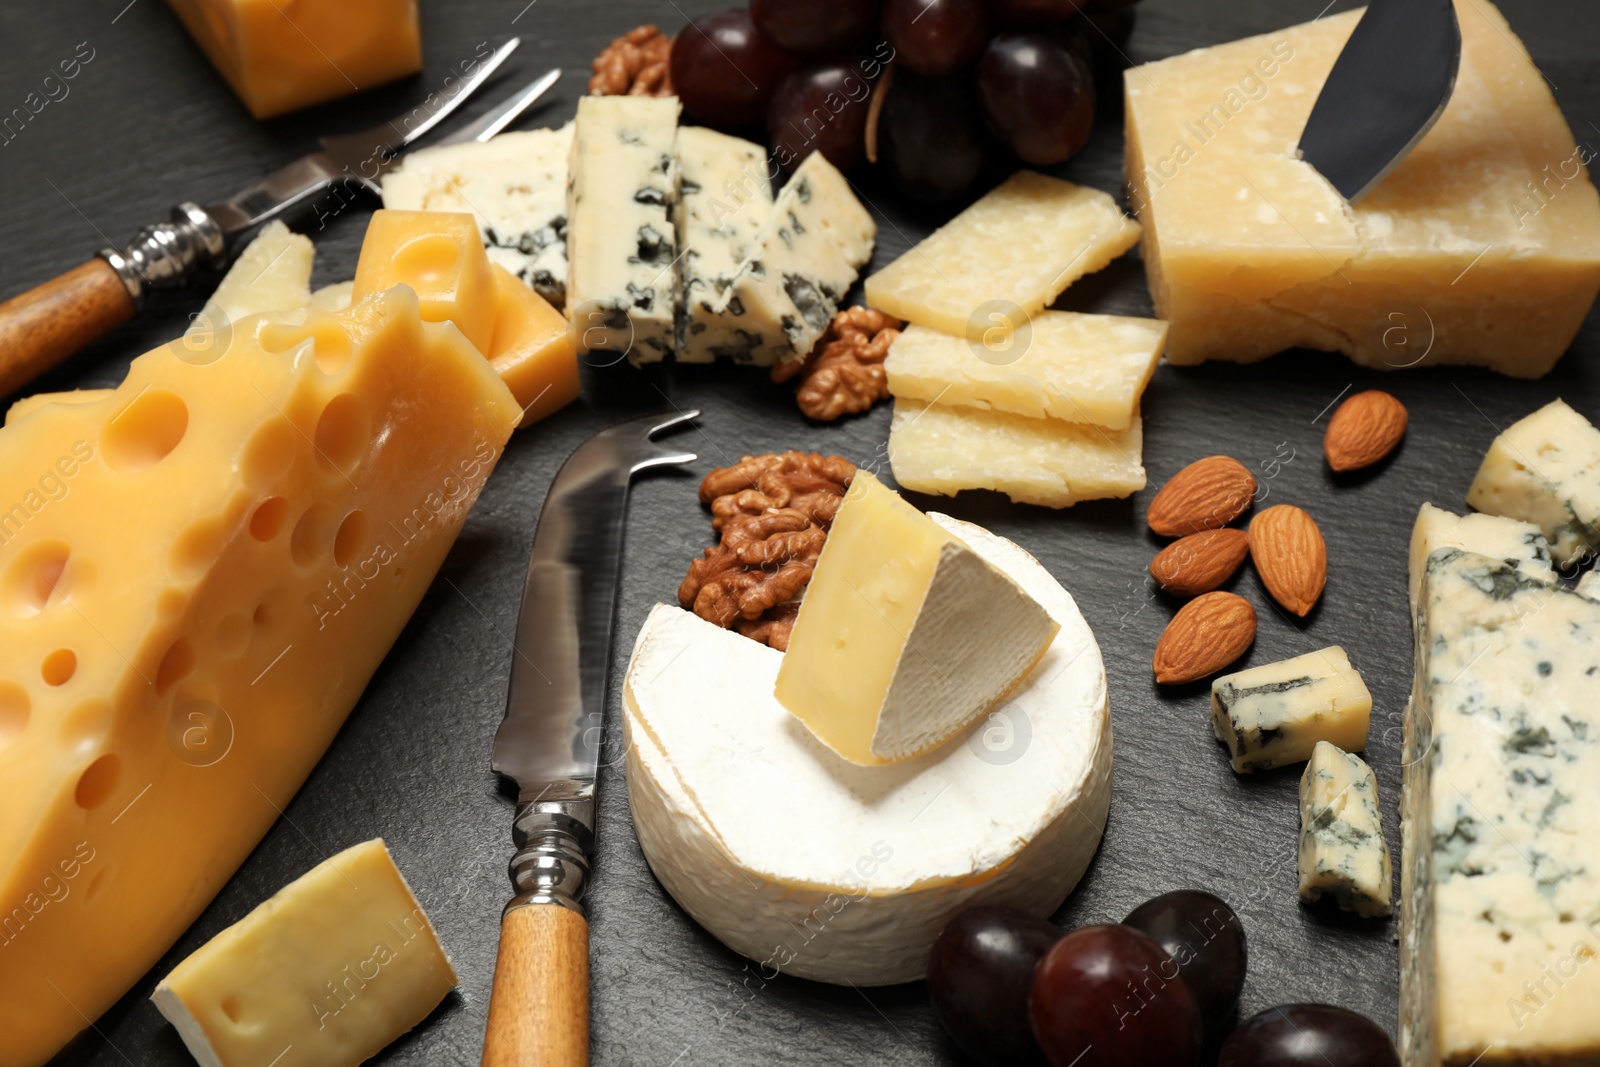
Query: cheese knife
{"points": [[548, 746], [45, 325], [1386, 90]]}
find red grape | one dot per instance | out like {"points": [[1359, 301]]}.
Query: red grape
{"points": [[1308, 1035], [979, 973], [724, 71], [931, 137], [816, 27], [1107, 996], [823, 109], [935, 36], [1033, 12], [1206, 940], [1038, 95]]}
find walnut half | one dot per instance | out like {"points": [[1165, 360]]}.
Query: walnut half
{"points": [[635, 64], [844, 373]]}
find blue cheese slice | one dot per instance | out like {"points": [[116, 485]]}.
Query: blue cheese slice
{"points": [[515, 185], [1500, 872], [801, 263], [1545, 469], [1521, 544], [1342, 850], [727, 195], [622, 246], [1275, 714]]}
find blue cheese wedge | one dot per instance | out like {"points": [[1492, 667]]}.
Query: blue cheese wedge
{"points": [[1545, 469], [1342, 851], [622, 245], [727, 195], [515, 185], [1500, 833], [1274, 715], [801, 263], [1521, 544]]}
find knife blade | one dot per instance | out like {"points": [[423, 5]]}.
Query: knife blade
{"points": [[548, 745], [1385, 92]]}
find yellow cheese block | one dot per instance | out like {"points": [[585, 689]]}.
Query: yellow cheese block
{"points": [[905, 635], [282, 55], [189, 619], [334, 967], [939, 449], [1482, 247], [1005, 257], [531, 349], [1079, 368], [438, 254]]}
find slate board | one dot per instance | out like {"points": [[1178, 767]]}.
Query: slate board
{"points": [[147, 123]]}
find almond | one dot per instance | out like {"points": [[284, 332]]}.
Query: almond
{"points": [[1290, 556], [1364, 430], [1206, 495], [1200, 562], [1206, 635]]}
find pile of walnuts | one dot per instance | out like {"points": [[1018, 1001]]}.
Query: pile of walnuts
{"points": [[773, 512], [635, 64], [844, 373]]}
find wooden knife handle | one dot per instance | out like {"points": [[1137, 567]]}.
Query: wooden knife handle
{"points": [[44, 326], [539, 1011]]}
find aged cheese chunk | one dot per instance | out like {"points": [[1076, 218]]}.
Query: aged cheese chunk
{"points": [[284, 56], [938, 449], [801, 263], [1007, 256], [436, 253], [1482, 247], [906, 634], [530, 348], [1086, 369], [622, 246], [190, 616], [727, 195], [823, 870], [1342, 850], [273, 273], [334, 967], [1500, 871], [1520, 544], [1545, 469], [1275, 714], [514, 185], [1589, 585]]}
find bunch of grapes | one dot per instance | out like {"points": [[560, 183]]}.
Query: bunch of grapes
{"points": [[946, 86]]}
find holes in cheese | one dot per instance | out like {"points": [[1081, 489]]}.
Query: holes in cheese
{"points": [[175, 665], [905, 634], [97, 782], [145, 431], [439, 255], [35, 577], [59, 667], [344, 430], [266, 522], [350, 538]]}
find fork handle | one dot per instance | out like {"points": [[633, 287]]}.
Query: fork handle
{"points": [[45, 325]]}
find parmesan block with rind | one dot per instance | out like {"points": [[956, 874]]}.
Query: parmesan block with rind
{"points": [[871, 862], [1545, 469]]}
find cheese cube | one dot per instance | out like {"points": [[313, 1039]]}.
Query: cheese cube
{"points": [[1275, 714], [1342, 850], [1500, 836], [1087, 369], [334, 967], [190, 619], [1482, 247], [438, 255], [1005, 257], [531, 349], [622, 247], [514, 185], [1520, 544], [278, 60], [943, 450], [801, 263], [905, 634], [727, 195], [1545, 469]]}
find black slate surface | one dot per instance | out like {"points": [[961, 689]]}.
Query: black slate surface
{"points": [[148, 123]]}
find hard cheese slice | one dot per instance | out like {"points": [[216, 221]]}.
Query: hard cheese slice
{"points": [[190, 619], [273, 273], [1482, 247], [905, 634], [530, 348], [334, 967], [1086, 369], [1501, 821], [938, 449], [1545, 469], [1520, 544], [1012, 251], [1277, 713], [824, 870], [1342, 850]]}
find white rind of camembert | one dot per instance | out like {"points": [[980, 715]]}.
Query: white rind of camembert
{"points": [[829, 871]]}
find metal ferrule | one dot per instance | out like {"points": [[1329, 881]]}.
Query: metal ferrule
{"points": [[553, 841], [166, 255]]}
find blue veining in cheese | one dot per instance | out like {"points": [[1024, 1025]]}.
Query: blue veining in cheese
{"points": [[1545, 469], [1342, 850], [727, 195]]}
